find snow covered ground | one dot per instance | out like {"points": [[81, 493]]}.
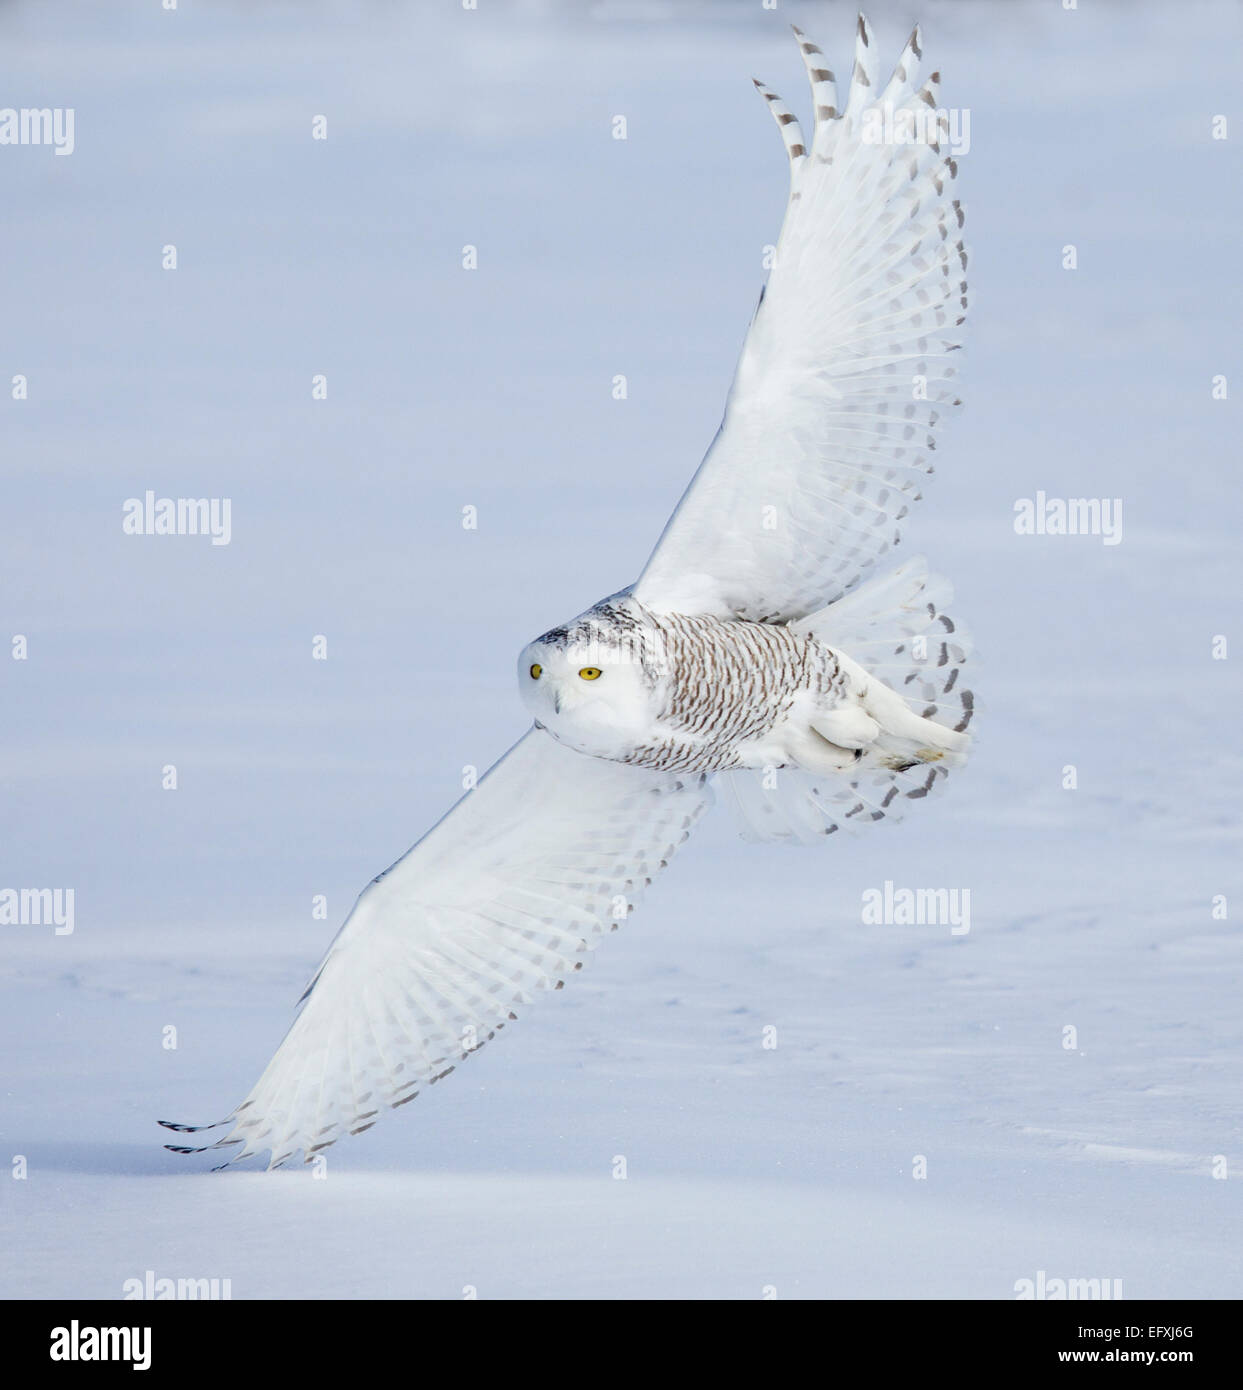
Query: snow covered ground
{"points": [[1086, 1154]]}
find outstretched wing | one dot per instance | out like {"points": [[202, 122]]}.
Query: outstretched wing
{"points": [[499, 902], [848, 368]]}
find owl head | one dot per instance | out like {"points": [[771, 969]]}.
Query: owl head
{"points": [[595, 683]]}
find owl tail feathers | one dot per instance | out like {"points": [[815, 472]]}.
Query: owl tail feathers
{"points": [[896, 628], [894, 634]]}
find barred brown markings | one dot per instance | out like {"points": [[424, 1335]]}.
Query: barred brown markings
{"points": [[968, 706]]}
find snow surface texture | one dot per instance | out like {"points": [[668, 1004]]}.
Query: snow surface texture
{"points": [[747, 1168]]}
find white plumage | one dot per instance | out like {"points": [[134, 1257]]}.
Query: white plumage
{"points": [[499, 902], [826, 422], [748, 654]]}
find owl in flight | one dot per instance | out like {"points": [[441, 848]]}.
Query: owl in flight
{"points": [[753, 655]]}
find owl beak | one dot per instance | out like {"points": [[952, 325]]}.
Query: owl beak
{"points": [[556, 702]]}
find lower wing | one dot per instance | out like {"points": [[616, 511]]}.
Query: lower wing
{"points": [[498, 903]]}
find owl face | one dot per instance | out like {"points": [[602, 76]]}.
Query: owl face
{"points": [[587, 689]]}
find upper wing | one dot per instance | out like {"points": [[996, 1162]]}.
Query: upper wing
{"points": [[498, 902], [846, 370]]}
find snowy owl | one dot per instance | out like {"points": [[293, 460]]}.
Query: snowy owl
{"points": [[753, 655]]}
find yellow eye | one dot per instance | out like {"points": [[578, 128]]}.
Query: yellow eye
{"points": [[591, 673], [536, 671]]}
